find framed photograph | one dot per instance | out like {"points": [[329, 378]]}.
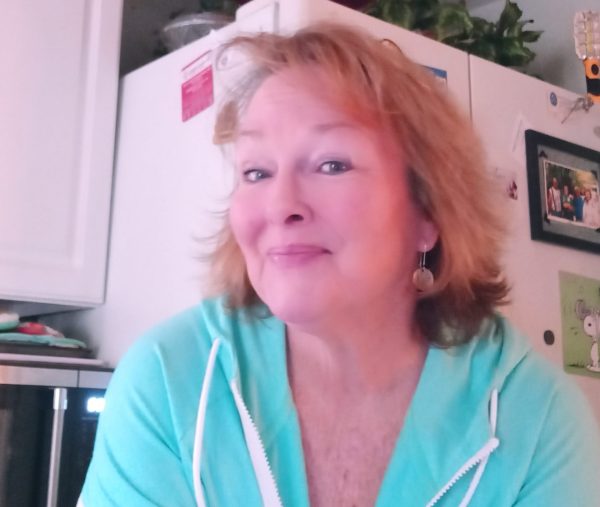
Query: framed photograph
{"points": [[564, 192]]}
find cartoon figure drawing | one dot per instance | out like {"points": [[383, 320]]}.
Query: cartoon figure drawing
{"points": [[591, 327]]}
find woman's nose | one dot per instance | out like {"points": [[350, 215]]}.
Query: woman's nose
{"points": [[286, 203]]}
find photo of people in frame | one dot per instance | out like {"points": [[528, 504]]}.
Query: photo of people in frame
{"points": [[572, 195], [564, 192]]}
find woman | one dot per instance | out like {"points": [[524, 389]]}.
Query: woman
{"points": [[591, 209], [355, 357]]}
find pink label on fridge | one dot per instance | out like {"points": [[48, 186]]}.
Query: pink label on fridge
{"points": [[197, 92]]}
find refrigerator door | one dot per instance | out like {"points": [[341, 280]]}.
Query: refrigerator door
{"points": [[505, 103]]}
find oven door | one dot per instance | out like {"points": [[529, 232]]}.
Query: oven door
{"points": [[32, 409]]}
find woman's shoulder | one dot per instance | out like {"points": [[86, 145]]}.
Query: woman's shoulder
{"points": [[151, 409], [547, 431], [195, 327], [182, 343], [546, 416], [516, 361], [163, 370], [501, 357], [185, 334], [531, 385]]}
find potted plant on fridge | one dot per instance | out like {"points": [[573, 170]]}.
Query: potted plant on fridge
{"points": [[504, 41]]}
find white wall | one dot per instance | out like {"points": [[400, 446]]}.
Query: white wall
{"points": [[556, 61]]}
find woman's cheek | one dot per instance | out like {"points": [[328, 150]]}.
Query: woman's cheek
{"points": [[243, 219], [236, 220]]}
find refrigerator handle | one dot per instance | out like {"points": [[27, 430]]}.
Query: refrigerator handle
{"points": [[59, 406]]}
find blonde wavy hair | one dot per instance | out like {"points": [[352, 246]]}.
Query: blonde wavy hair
{"points": [[444, 161]]}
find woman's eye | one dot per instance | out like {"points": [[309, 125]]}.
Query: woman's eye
{"points": [[254, 175], [334, 167]]}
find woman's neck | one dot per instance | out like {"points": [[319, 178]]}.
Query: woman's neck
{"points": [[366, 353]]}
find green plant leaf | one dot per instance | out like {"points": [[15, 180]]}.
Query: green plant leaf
{"points": [[212, 6], [452, 20], [531, 35], [512, 53], [400, 13], [405, 15], [483, 48], [482, 27], [509, 17], [425, 13], [517, 28]]}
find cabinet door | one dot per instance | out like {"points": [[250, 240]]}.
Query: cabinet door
{"points": [[58, 96]]}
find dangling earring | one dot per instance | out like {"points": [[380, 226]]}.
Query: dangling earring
{"points": [[422, 277]]}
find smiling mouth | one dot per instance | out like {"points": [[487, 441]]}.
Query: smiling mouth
{"points": [[296, 255]]}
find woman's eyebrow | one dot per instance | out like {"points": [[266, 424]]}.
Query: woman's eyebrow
{"points": [[324, 127], [318, 128], [253, 133]]}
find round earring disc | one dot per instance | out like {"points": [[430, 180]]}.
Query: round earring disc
{"points": [[422, 279]]}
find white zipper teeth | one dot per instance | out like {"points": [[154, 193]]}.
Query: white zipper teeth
{"points": [[258, 455], [483, 453]]}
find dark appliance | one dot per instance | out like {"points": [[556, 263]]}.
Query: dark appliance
{"points": [[48, 420]]}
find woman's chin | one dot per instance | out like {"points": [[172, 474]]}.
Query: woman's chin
{"points": [[299, 311]]}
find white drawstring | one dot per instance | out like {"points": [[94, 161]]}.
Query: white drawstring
{"points": [[200, 418]]}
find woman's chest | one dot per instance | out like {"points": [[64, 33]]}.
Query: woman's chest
{"points": [[346, 460]]}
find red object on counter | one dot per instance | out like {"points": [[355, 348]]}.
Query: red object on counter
{"points": [[35, 328], [31, 328]]}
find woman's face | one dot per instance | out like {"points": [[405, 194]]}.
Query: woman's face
{"points": [[321, 211]]}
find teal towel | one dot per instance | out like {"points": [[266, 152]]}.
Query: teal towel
{"points": [[41, 339]]}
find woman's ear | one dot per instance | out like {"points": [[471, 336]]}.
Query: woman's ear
{"points": [[427, 235]]}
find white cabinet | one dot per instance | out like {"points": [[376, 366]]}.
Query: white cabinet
{"points": [[58, 98]]}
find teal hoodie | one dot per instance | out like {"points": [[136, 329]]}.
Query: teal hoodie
{"points": [[490, 422]]}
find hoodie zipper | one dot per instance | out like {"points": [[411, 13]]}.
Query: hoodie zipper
{"points": [[480, 458], [258, 456], [260, 462]]}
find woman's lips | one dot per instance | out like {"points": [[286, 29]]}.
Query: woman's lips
{"points": [[296, 254]]}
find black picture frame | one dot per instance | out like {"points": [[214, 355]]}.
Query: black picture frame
{"points": [[564, 216]]}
